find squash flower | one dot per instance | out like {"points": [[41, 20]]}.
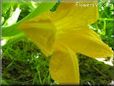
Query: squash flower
{"points": [[64, 33]]}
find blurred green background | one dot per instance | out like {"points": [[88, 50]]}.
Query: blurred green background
{"points": [[24, 64]]}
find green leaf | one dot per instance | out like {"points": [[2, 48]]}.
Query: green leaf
{"points": [[10, 31], [39, 10], [13, 30], [6, 6]]}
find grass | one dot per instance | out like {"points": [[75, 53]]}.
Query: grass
{"points": [[23, 63]]}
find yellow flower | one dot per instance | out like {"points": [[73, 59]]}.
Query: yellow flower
{"points": [[62, 34]]}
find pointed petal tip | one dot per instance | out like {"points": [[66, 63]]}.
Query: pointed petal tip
{"points": [[108, 51]]}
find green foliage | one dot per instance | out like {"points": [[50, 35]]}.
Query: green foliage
{"points": [[13, 30], [93, 72], [24, 64], [105, 24], [55, 6]]}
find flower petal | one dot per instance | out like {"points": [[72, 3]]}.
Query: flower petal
{"points": [[64, 66], [84, 41], [42, 31], [74, 14]]}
